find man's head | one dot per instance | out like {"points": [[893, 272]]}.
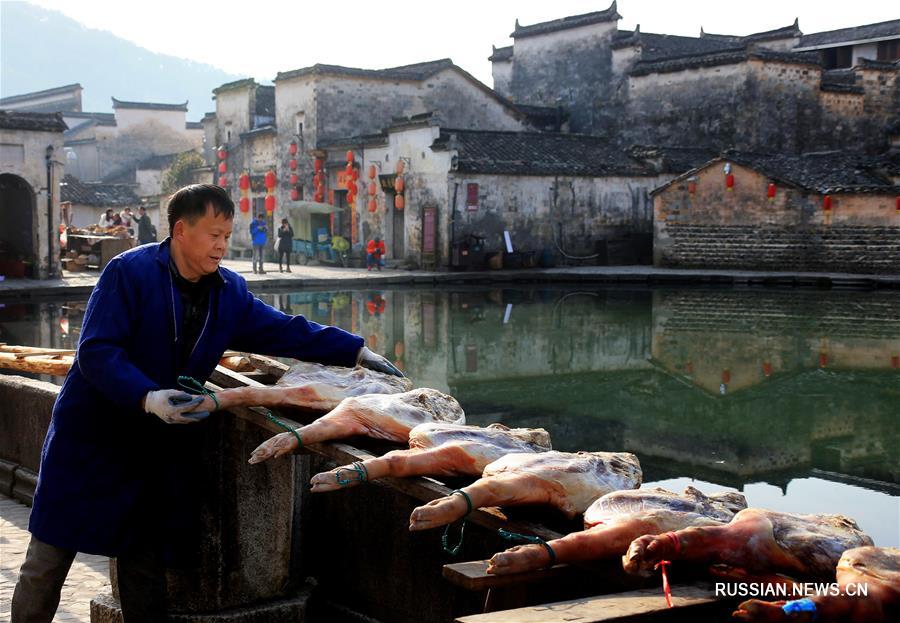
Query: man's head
{"points": [[261, 216], [200, 221], [377, 239], [142, 210]]}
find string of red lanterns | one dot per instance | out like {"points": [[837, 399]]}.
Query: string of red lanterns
{"points": [[271, 182], [399, 186], [244, 186], [222, 154]]}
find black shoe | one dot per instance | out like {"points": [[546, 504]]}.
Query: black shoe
{"points": [[279, 270], [288, 270], [262, 272]]}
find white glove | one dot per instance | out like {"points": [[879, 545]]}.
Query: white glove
{"points": [[374, 361], [172, 405]]}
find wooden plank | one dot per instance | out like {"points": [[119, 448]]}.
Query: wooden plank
{"points": [[473, 575], [268, 365], [687, 600]]}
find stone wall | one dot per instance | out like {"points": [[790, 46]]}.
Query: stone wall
{"points": [[27, 404], [541, 211], [571, 67], [742, 229]]}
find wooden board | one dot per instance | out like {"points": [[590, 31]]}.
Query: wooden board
{"points": [[473, 575], [689, 601]]}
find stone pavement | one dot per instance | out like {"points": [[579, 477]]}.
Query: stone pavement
{"points": [[88, 577], [330, 277]]}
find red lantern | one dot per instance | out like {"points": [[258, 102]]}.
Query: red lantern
{"points": [[294, 179], [317, 165], [349, 169], [222, 153], [770, 193], [398, 202], [318, 196], [729, 181], [349, 155], [331, 197], [223, 181], [223, 167], [823, 360], [295, 194], [270, 180], [726, 376], [826, 203], [767, 369], [692, 187], [895, 362], [372, 189], [244, 182], [350, 184], [270, 203], [373, 205], [293, 164], [354, 174], [400, 167], [399, 185], [292, 148], [373, 172], [245, 204]]}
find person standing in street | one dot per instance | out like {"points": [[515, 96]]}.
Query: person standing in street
{"points": [[285, 243], [259, 235], [145, 230], [119, 473]]}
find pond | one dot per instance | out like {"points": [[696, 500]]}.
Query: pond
{"points": [[790, 396]]}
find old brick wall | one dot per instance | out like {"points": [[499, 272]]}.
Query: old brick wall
{"points": [[742, 229]]}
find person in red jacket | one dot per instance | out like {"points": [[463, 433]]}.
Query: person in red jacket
{"points": [[375, 252]]}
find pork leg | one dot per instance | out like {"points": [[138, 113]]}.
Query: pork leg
{"points": [[451, 460], [499, 490], [335, 425], [277, 396]]}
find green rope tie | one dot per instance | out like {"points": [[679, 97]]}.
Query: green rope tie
{"points": [[193, 386], [445, 538], [356, 466], [515, 536]]}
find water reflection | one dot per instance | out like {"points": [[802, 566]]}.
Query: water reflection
{"points": [[790, 396]]}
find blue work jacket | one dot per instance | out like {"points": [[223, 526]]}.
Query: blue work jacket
{"points": [[108, 469]]}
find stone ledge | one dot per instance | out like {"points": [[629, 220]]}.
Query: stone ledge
{"points": [[105, 609]]}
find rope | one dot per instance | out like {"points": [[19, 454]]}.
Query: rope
{"points": [[662, 564], [515, 536], [356, 466], [445, 538], [193, 386]]}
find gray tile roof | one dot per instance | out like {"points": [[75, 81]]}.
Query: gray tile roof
{"points": [[842, 36], [100, 118], [22, 97], [573, 21], [414, 72], [97, 193], [501, 54], [533, 153], [148, 105], [721, 57], [32, 121]]}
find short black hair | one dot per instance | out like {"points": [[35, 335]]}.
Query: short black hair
{"points": [[190, 203]]}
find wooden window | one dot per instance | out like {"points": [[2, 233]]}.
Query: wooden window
{"points": [[889, 50], [471, 197]]}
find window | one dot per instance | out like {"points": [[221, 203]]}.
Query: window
{"points": [[889, 50], [838, 58], [471, 197]]}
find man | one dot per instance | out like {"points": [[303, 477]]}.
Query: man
{"points": [[258, 235], [375, 252], [145, 229], [116, 475]]}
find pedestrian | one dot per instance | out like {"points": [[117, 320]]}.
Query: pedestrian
{"points": [[375, 252], [118, 475], [285, 243], [145, 229], [127, 217], [106, 219], [259, 235]]}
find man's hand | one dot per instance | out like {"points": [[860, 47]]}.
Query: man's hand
{"points": [[172, 406], [374, 361]]}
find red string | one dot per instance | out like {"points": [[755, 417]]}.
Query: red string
{"points": [[667, 591]]}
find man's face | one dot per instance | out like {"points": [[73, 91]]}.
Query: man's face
{"points": [[203, 243]]}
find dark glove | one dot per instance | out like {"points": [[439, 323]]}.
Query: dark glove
{"points": [[374, 361]]}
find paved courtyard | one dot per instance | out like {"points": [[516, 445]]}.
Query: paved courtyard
{"points": [[88, 577]]}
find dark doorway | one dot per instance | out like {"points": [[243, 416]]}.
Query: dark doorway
{"points": [[398, 231], [17, 257], [343, 221]]}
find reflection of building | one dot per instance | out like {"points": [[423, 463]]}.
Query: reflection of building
{"points": [[816, 212], [31, 161]]}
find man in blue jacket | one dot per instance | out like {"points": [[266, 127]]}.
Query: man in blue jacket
{"points": [[115, 475], [259, 235]]}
